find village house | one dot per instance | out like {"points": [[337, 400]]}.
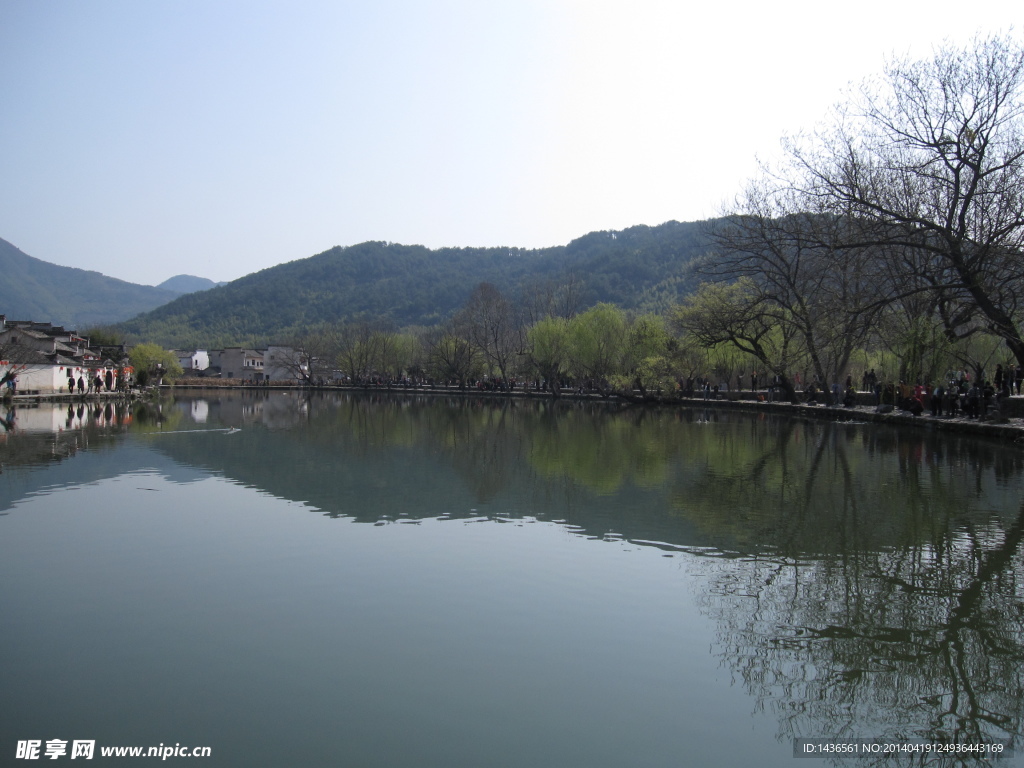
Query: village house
{"points": [[240, 363], [284, 364], [275, 363], [195, 362], [45, 359]]}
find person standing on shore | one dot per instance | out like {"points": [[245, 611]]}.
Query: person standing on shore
{"points": [[973, 401], [938, 396]]}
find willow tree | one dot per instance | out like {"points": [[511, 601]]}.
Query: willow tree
{"points": [[596, 344], [153, 363], [548, 350], [651, 358], [452, 354]]}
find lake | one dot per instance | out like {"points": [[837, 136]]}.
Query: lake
{"points": [[394, 580]]}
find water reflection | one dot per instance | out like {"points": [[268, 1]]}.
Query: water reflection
{"points": [[922, 641], [873, 585], [34, 434], [864, 581]]}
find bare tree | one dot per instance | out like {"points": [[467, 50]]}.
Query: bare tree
{"points": [[929, 159], [309, 357], [552, 298], [357, 351], [493, 325], [799, 264], [452, 354], [739, 314]]}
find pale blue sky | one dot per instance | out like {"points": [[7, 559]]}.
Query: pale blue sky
{"points": [[148, 138]]}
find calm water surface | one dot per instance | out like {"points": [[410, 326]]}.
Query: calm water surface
{"points": [[392, 581]]}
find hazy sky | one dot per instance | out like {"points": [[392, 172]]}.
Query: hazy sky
{"points": [[149, 138]]}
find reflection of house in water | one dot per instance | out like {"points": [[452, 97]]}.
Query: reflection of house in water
{"points": [[42, 418], [34, 433], [273, 409], [200, 411]]}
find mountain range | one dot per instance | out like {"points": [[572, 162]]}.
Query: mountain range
{"points": [[32, 289], [642, 268]]}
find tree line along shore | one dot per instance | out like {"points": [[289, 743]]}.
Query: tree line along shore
{"points": [[887, 240]]}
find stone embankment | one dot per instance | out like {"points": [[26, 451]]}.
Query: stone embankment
{"points": [[30, 396], [1009, 426]]}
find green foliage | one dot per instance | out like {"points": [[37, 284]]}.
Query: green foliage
{"points": [[548, 344], [103, 337], [152, 362], [734, 314], [597, 342], [651, 361]]}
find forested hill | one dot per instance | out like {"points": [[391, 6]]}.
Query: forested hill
{"points": [[31, 289], [641, 267]]}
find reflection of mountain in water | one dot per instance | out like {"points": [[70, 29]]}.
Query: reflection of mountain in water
{"points": [[376, 459], [865, 582], [728, 481], [873, 585]]}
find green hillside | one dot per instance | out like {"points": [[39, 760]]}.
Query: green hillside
{"points": [[641, 267], [31, 289]]}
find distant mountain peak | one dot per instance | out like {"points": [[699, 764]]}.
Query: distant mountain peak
{"points": [[32, 289], [187, 284]]}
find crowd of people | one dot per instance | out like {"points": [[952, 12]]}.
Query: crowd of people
{"points": [[958, 394]]}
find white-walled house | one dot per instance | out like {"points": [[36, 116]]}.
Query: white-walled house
{"points": [[44, 359], [197, 360], [284, 364]]}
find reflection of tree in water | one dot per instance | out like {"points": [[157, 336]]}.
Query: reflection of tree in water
{"points": [[871, 587], [890, 604], [603, 450]]}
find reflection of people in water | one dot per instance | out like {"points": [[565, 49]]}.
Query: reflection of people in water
{"points": [[8, 420]]}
